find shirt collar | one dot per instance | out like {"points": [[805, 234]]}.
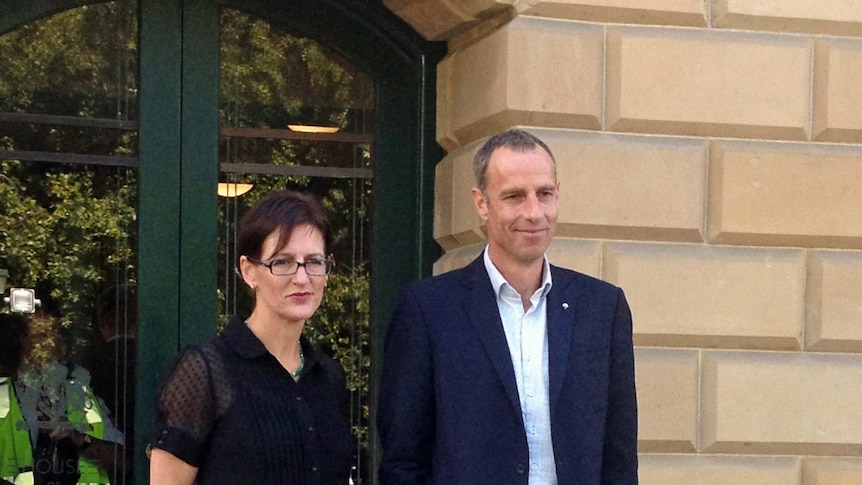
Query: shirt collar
{"points": [[498, 282], [245, 343]]}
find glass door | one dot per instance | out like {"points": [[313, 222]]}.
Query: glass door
{"points": [[68, 232], [118, 122], [294, 114]]}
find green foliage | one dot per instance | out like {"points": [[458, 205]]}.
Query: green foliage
{"points": [[270, 78], [58, 234], [341, 327], [80, 62], [70, 230]]}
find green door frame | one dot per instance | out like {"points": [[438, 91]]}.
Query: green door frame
{"points": [[178, 160], [181, 37]]}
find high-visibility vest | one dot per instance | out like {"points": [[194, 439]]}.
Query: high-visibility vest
{"points": [[16, 451]]}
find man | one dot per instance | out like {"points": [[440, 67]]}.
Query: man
{"points": [[112, 366], [510, 371]]}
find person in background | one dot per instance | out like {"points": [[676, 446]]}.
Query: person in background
{"points": [[53, 428], [259, 403], [510, 370], [112, 366]]}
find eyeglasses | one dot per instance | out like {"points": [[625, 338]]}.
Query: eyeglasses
{"points": [[287, 267]]}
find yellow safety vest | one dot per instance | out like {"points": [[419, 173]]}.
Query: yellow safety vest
{"points": [[16, 450]]}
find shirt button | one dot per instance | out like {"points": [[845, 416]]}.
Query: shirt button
{"points": [[299, 398], [534, 466], [311, 428], [314, 468], [164, 431], [521, 469]]}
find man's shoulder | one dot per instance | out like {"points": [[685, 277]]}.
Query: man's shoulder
{"points": [[450, 281]]}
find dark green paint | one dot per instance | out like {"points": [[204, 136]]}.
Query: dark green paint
{"points": [[199, 203], [159, 213], [177, 212]]}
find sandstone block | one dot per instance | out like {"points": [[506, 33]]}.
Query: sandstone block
{"points": [[667, 389], [836, 17], [768, 194], [781, 403], [711, 297], [578, 255], [837, 91], [695, 82], [834, 301], [831, 471], [629, 187], [659, 12], [443, 19], [456, 221], [533, 72], [717, 470]]}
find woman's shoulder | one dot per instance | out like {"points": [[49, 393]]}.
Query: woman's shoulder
{"points": [[332, 369], [202, 360]]}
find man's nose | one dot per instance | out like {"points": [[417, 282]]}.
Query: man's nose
{"points": [[532, 207]]}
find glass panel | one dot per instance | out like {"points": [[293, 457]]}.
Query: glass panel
{"points": [[296, 115], [68, 190]]}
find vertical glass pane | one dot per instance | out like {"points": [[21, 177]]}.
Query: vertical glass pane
{"points": [[68, 190], [296, 115]]}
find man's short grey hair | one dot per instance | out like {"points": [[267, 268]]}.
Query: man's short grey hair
{"points": [[513, 139]]}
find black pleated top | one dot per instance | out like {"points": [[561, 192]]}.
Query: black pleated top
{"points": [[229, 408]]}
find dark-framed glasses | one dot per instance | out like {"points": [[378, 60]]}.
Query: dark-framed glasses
{"points": [[287, 267]]}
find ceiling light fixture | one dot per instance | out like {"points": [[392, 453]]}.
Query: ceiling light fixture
{"points": [[233, 189], [314, 129]]}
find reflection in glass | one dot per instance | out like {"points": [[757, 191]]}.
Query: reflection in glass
{"points": [[294, 114], [68, 196]]}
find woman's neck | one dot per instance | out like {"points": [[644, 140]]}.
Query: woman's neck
{"points": [[281, 338]]}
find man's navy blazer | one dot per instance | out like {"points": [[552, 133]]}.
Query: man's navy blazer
{"points": [[449, 412]]}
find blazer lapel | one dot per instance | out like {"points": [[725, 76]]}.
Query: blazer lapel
{"points": [[560, 318], [485, 317]]}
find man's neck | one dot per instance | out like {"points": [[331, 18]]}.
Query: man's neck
{"points": [[525, 279]]}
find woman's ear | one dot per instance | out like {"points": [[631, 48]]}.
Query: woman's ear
{"points": [[246, 270]]}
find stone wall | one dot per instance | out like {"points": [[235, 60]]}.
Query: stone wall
{"points": [[710, 157]]}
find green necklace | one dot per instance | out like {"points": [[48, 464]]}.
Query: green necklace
{"points": [[298, 372]]}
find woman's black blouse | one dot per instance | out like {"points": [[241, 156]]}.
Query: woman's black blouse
{"points": [[229, 408]]}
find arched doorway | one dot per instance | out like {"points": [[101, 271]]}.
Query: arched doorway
{"points": [[167, 154]]}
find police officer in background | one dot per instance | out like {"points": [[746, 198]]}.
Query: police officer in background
{"points": [[53, 429]]}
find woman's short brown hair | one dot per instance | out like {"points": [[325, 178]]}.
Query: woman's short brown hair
{"points": [[281, 211]]}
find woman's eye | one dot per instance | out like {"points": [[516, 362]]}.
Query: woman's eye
{"points": [[280, 262]]}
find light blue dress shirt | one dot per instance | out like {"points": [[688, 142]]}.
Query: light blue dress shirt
{"points": [[527, 336]]}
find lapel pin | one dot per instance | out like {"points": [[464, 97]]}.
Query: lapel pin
{"points": [[565, 306]]}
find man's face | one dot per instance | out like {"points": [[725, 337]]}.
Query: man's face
{"points": [[519, 206]]}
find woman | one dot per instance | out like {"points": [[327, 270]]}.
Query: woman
{"points": [[259, 404]]}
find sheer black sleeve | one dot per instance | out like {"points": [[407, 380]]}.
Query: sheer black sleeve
{"points": [[193, 394]]}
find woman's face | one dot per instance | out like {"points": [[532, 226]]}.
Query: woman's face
{"points": [[292, 298]]}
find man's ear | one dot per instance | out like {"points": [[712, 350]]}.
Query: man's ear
{"points": [[481, 203]]}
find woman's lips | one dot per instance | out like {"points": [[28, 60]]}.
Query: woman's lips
{"points": [[300, 297]]}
